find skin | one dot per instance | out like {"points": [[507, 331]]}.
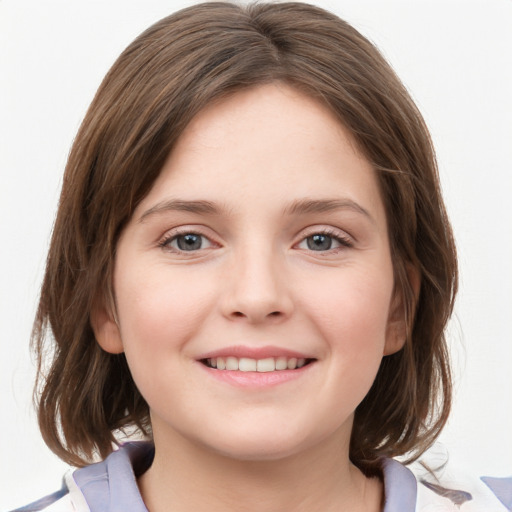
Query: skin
{"points": [[254, 281]]}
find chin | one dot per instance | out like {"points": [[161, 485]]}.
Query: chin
{"points": [[272, 444], [258, 453]]}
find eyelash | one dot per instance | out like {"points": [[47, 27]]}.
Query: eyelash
{"points": [[174, 235], [344, 241]]}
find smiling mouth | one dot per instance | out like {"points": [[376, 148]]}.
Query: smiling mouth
{"points": [[246, 364]]}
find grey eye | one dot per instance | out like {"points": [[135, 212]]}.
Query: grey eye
{"points": [[189, 242], [319, 242]]}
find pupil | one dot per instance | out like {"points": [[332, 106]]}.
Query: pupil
{"points": [[189, 242], [319, 242]]}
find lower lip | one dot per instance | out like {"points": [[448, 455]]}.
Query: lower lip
{"points": [[257, 379]]}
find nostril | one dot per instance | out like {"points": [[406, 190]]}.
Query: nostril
{"points": [[257, 315]]}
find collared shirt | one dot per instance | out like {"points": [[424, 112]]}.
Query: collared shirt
{"points": [[111, 486]]}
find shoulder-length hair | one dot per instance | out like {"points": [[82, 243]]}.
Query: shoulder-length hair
{"points": [[159, 83]]}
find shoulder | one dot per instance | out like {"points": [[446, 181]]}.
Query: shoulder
{"points": [[94, 487], [452, 488], [67, 499], [59, 501], [427, 487]]}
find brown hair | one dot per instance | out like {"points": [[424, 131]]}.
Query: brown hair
{"points": [[157, 85]]}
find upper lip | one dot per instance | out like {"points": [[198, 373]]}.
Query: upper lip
{"points": [[264, 352]]}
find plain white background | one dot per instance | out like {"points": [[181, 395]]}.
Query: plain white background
{"points": [[456, 59]]}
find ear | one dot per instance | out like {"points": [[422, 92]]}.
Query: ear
{"points": [[396, 331], [106, 330]]}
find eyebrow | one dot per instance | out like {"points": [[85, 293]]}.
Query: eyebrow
{"points": [[304, 206], [298, 207], [200, 206]]}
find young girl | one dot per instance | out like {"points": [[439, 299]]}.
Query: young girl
{"points": [[252, 268]]}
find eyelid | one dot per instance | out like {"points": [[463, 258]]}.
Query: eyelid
{"points": [[173, 233], [343, 238]]}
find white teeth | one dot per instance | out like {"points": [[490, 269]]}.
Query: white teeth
{"points": [[266, 365], [231, 363], [246, 364], [281, 363], [292, 363]]}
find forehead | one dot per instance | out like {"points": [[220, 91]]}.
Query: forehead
{"points": [[266, 116], [266, 146]]}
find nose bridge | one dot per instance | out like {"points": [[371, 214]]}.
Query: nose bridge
{"points": [[258, 290]]}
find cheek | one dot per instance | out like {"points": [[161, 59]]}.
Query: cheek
{"points": [[351, 318], [159, 313], [353, 308], [160, 309], [357, 336]]}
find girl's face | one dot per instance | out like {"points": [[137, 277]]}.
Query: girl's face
{"points": [[262, 245]]}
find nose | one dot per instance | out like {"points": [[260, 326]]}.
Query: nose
{"points": [[256, 288]]}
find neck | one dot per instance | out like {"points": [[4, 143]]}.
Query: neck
{"points": [[193, 478]]}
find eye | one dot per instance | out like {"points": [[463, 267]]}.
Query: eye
{"points": [[323, 242], [186, 242]]}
